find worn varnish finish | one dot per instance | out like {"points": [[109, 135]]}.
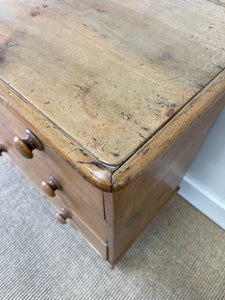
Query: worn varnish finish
{"points": [[169, 133], [120, 95], [110, 74], [90, 168], [81, 197], [131, 210]]}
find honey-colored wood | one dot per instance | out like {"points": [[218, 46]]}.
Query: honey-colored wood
{"points": [[165, 137], [28, 144], [118, 96], [104, 177], [131, 210], [92, 231], [22, 148], [83, 200], [88, 167], [62, 216], [126, 70], [50, 187]]}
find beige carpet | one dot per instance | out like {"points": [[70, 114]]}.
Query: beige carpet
{"points": [[180, 256]]}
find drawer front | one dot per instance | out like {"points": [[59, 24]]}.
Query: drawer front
{"points": [[83, 201]]}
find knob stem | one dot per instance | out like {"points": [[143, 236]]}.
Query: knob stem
{"points": [[63, 216], [2, 149], [50, 187], [28, 144]]}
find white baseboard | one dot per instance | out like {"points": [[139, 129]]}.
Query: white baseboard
{"points": [[203, 201]]}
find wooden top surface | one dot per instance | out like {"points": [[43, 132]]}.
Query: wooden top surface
{"points": [[110, 74]]}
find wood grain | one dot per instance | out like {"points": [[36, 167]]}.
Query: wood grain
{"points": [[82, 161], [81, 198], [131, 210], [110, 74], [168, 134], [121, 94]]}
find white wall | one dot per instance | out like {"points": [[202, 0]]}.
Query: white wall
{"points": [[204, 184]]}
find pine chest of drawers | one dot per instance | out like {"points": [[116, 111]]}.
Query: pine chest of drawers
{"points": [[104, 105]]}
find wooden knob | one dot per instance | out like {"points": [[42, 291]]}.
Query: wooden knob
{"points": [[63, 216], [2, 149], [50, 187], [27, 145]]}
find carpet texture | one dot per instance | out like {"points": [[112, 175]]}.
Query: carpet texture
{"points": [[180, 256]]}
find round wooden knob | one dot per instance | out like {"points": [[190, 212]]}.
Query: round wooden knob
{"points": [[27, 145], [63, 216], [2, 149], [50, 187]]}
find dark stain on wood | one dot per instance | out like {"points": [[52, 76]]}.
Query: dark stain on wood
{"points": [[35, 13], [83, 152], [199, 84], [145, 128], [146, 151], [95, 163], [141, 135], [170, 112], [115, 154], [132, 219], [85, 90]]}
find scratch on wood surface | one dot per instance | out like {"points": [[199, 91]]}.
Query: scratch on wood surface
{"points": [[126, 116], [150, 63], [141, 135], [95, 163], [145, 128], [115, 154]]}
